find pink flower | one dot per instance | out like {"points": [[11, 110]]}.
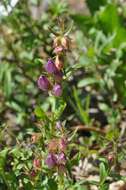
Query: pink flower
{"points": [[61, 159], [58, 50], [51, 160], [36, 163], [57, 90]]}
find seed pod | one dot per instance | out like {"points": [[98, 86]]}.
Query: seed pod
{"points": [[59, 62]]}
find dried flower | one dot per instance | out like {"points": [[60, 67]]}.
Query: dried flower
{"points": [[43, 83], [65, 42], [57, 41], [35, 137], [59, 62], [51, 160], [53, 145], [57, 90], [50, 66]]}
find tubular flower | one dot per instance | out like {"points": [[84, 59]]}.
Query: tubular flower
{"points": [[43, 83], [57, 90], [50, 66], [51, 160]]}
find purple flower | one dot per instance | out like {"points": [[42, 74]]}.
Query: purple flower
{"points": [[50, 66], [57, 90], [61, 158], [43, 83], [51, 160]]}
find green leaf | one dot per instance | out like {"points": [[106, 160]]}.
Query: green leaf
{"points": [[3, 155], [83, 114], [87, 81], [84, 22], [103, 173], [40, 113], [52, 185], [59, 110], [95, 4], [107, 23]]}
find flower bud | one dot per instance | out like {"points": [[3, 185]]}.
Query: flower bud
{"points": [[33, 173], [57, 90], [51, 160], [43, 83], [59, 62], [50, 66], [65, 42], [36, 163]]}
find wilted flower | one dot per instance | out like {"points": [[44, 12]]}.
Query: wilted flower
{"points": [[51, 160], [62, 144], [57, 41], [65, 42], [50, 66], [43, 83], [36, 163], [59, 62], [57, 90], [53, 145], [35, 137]]}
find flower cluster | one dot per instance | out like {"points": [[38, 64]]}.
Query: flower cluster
{"points": [[56, 157], [54, 68]]}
